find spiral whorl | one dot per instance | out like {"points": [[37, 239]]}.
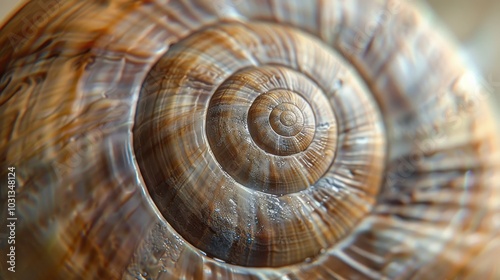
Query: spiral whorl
{"points": [[229, 139], [239, 126], [264, 135]]}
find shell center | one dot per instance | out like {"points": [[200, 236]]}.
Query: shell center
{"points": [[281, 122], [288, 118]]}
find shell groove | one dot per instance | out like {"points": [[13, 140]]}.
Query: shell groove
{"points": [[211, 206], [113, 111]]}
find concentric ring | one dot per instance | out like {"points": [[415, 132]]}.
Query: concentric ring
{"points": [[238, 114], [281, 122], [116, 178], [232, 133]]}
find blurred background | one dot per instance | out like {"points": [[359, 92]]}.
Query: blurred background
{"points": [[6, 7], [474, 23]]}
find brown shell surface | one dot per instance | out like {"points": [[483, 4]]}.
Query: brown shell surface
{"points": [[245, 140]]}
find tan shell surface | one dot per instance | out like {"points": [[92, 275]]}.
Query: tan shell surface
{"points": [[144, 139], [228, 173]]}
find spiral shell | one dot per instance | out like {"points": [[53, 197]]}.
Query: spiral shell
{"points": [[244, 140]]}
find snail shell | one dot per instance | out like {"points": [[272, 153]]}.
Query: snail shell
{"points": [[257, 139]]}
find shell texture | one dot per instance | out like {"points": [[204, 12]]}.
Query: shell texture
{"points": [[192, 139]]}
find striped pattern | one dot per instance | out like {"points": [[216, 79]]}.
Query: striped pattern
{"points": [[71, 75]]}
